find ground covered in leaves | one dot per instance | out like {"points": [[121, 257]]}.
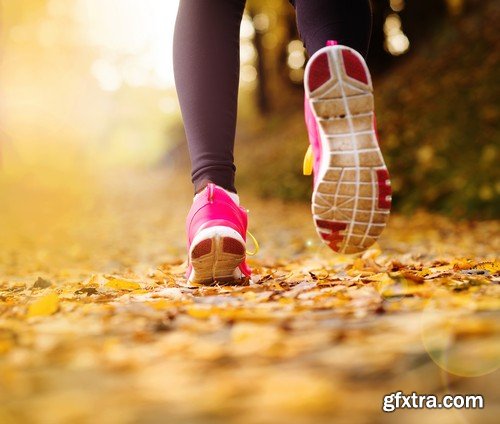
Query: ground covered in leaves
{"points": [[97, 324]]}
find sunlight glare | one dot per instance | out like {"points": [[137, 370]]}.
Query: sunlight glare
{"points": [[396, 42], [296, 54], [133, 39]]}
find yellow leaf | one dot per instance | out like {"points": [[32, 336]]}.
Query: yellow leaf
{"points": [[358, 265], [160, 304], [382, 282], [119, 284], [416, 289], [44, 306], [492, 267], [381, 277], [201, 313]]}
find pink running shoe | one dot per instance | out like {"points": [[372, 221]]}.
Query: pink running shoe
{"points": [[351, 199], [216, 227]]}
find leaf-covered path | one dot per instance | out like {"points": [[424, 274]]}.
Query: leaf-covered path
{"points": [[97, 324]]}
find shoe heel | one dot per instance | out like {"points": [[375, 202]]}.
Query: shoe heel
{"points": [[216, 254]]}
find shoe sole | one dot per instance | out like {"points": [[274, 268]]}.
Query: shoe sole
{"points": [[351, 200], [215, 255]]}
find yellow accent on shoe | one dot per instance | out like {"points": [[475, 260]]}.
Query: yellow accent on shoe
{"points": [[255, 243], [307, 167]]}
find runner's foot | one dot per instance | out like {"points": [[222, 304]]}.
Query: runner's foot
{"points": [[216, 227], [351, 200]]}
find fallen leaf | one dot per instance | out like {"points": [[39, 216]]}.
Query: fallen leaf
{"points": [[492, 267], [41, 283], [44, 306], [89, 291], [120, 284]]}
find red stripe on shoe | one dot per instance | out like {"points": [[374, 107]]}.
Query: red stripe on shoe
{"points": [[233, 246], [353, 66], [334, 238], [384, 189], [202, 248], [320, 72]]}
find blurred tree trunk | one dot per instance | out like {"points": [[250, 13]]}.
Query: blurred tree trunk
{"points": [[378, 59], [420, 17], [274, 89], [262, 92]]}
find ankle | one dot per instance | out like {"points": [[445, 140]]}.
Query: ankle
{"points": [[224, 183], [234, 197]]}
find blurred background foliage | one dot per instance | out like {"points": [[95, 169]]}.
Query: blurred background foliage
{"points": [[87, 87]]}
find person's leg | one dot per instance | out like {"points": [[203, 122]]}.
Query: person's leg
{"points": [[206, 65], [348, 22], [206, 68]]}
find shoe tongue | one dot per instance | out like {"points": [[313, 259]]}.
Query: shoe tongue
{"points": [[234, 197]]}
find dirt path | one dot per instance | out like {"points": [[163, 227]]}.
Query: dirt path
{"points": [[98, 326]]}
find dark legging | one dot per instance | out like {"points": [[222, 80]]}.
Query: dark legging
{"points": [[207, 63]]}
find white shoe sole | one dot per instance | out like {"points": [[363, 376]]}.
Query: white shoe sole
{"points": [[215, 255], [352, 195]]}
